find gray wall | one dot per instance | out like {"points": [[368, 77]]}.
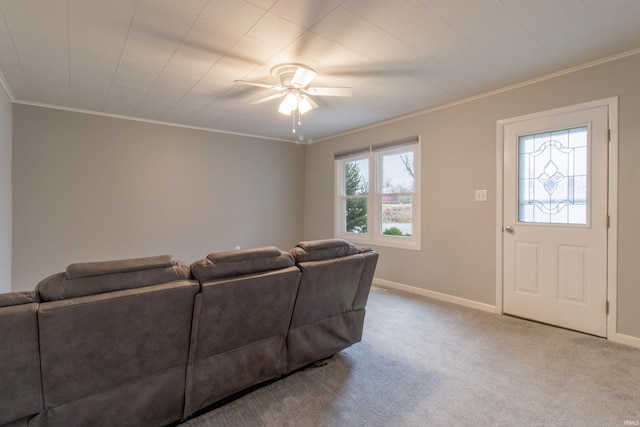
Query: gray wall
{"points": [[459, 156], [89, 187], [5, 191]]}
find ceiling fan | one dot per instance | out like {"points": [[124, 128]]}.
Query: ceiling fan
{"points": [[294, 88]]}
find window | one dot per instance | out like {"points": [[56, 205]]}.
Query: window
{"points": [[377, 194]]}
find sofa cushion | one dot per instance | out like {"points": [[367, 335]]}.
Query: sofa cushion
{"points": [[91, 278], [317, 250], [17, 298], [218, 265]]}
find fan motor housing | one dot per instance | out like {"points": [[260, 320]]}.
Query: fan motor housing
{"points": [[285, 73]]}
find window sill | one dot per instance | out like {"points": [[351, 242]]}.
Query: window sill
{"points": [[391, 242]]}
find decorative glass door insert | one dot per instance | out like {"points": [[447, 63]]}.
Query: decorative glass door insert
{"points": [[553, 177]]}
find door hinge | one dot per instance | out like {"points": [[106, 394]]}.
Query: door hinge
{"points": [[608, 221], [608, 135], [607, 307]]}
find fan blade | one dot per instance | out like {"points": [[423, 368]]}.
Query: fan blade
{"points": [[268, 98], [330, 91], [303, 77], [258, 84], [313, 104]]}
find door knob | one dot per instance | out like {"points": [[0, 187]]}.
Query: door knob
{"points": [[509, 229]]}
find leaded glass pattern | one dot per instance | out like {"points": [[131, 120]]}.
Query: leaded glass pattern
{"points": [[553, 181]]}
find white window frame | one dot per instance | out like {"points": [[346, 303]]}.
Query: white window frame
{"points": [[374, 155]]}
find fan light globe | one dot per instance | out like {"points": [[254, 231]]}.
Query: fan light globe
{"points": [[289, 103], [293, 101], [304, 104]]}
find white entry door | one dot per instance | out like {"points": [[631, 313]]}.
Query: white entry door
{"points": [[555, 219]]}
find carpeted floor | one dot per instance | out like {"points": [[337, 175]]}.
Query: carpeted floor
{"points": [[424, 362]]}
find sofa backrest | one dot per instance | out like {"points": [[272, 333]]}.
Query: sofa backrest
{"points": [[91, 278], [240, 322], [329, 311], [114, 342], [20, 387], [252, 289], [219, 265], [17, 298], [332, 273], [318, 250]]}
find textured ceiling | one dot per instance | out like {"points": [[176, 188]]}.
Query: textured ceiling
{"points": [[175, 61]]}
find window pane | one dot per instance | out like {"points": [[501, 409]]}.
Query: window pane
{"points": [[552, 168], [396, 215], [356, 177], [397, 173], [356, 215]]}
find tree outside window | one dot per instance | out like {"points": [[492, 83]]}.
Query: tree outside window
{"points": [[357, 185]]}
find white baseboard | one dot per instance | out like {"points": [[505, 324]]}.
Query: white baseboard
{"points": [[619, 338], [627, 340], [435, 295]]}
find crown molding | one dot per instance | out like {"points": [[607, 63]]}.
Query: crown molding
{"points": [[490, 93]]}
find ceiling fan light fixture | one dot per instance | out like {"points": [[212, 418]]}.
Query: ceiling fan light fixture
{"points": [[289, 103], [294, 87]]}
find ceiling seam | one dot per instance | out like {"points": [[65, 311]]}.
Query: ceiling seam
{"points": [[213, 101], [13, 42], [486, 94], [115, 73], [525, 28]]}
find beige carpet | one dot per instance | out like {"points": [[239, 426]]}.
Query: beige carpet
{"points": [[423, 362]]}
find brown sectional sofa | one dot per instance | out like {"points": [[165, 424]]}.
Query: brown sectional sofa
{"points": [[152, 341]]}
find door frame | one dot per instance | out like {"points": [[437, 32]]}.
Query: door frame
{"points": [[612, 202]]}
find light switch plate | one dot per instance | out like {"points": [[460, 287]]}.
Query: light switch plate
{"points": [[481, 195]]}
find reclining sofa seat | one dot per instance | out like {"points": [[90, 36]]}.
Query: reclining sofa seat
{"points": [[20, 389], [114, 342], [330, 306], [241, 319]]}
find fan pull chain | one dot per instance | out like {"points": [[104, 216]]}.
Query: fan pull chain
{"points": [[293, 119]]}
